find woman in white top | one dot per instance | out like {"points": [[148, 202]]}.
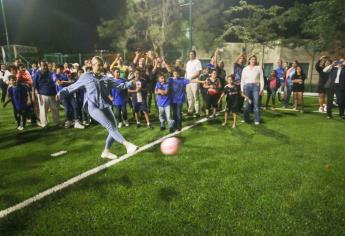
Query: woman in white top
{"points": [[252, 85]]}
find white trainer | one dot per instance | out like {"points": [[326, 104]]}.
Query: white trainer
{"points": [[126, 123], [130, 147], [119, 125], [108, 154], [77, 125]]}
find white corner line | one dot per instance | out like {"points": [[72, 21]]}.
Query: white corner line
{"points": [[59, 187]]}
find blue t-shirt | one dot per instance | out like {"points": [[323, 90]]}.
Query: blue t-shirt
{"points": [[119, 95], [280, 72], [178, 89], [19, 96], [163, 100], [61, 77], [44, 83]]}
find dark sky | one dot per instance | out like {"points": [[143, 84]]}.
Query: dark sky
{"points": [[66, 25], [56, 24]]}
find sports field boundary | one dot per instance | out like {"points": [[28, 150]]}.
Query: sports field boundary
{"points": [[59, 187]]}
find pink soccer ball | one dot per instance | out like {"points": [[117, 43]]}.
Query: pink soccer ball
{"points": [[170, 146]]}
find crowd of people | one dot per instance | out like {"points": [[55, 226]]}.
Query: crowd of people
{"points": [[35, 91]]}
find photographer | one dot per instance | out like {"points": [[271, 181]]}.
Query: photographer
{"points": [[336, 85]]}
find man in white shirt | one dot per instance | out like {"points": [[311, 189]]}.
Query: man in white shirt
{"points": [[193, 70]]}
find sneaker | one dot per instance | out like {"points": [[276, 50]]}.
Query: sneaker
{"points": [[119, 125], [108, 154], [125, 123], [68, 124], [77, 125], [162, 128], [273, 108], [130, 147], [20, 128], [86, 123], [233, 126], [196, 115], [321, 110], [256, 123], [224, 124]]}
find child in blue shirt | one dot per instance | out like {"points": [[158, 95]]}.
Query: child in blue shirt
{"points": [[177, 86], [163, 102], [118, 97], [19, 95]]}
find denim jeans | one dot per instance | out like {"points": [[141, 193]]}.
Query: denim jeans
{"points": [[121, 112], [177, 114], [70, 107], [252, 91], [165, 111], [287, 95]]}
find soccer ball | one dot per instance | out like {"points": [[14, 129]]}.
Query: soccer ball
{"points": [[170, 146]]}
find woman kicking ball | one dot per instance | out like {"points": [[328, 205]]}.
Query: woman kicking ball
{"points": [[97, 87]]}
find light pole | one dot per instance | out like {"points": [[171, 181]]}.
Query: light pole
{"points": [[6, 32], [190, 30]]}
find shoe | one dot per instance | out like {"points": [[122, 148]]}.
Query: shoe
{"points": [[233, 126], [224, 124], [256, 123], [77, 125], [162, 128], [329, 117], [190, 114], [125, 123], [108, 154], [196, 115], [150, 126], [130, 147], [68, 124], [321, 110], [178, 129], [273, 109], [20, 128], [119, 125], [86, 123]]}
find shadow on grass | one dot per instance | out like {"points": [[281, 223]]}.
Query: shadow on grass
{"points": [[168, 194], [261, 129]]}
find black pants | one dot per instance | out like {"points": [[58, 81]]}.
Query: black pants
{"points": [[3, 87], [340, 93]]}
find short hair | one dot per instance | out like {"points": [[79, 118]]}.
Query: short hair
{"points": [[193, 51]]}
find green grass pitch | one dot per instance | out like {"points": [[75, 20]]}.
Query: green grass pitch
{"points": [[283, 177]]}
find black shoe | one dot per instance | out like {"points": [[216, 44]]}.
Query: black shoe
{"points": [[162, 128], [178, 129], [190, 114]]}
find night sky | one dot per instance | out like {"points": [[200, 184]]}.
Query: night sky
{"points": [[66, 25]]}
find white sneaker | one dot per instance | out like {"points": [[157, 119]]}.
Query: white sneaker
{"points": [[68, 124], [321, 110], [119, 125], [77, 125], [130, 147], [108, 154], [257, 123], [20, 128], [86, 123], [126, 123]]}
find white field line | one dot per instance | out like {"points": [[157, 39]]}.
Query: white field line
{"points": [[59, 187]]}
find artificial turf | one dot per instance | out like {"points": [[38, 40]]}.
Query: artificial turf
{"points": [[283, 177]]}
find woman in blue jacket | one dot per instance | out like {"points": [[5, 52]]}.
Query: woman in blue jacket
{"points": [[97, 87]]}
